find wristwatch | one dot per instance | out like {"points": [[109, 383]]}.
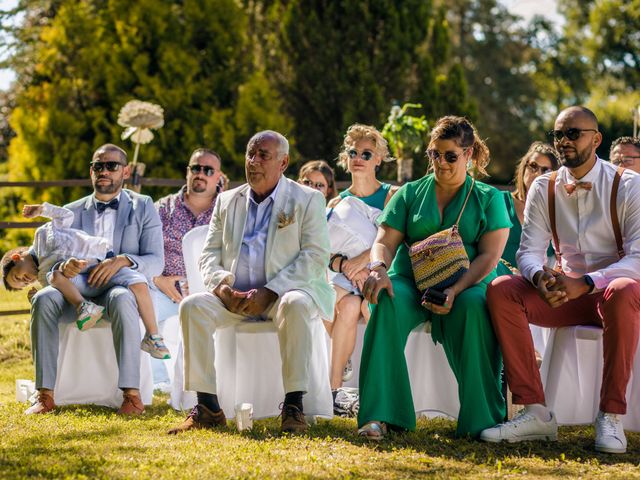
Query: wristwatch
{"points": [[376, 264], [590, 283]]}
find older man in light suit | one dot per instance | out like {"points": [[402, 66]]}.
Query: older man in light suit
{"points": [[131, 223], [265, 257]]}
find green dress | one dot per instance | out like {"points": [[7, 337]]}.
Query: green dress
{"points": [[465, 332], [513, 243]]}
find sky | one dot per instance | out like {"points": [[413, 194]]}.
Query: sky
{"points": [[525, 8]]}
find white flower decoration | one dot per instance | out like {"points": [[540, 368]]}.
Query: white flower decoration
{"points": [[139, 118]]}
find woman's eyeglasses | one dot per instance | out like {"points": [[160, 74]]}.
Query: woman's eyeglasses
{"points": [[110, 166], [316, 185], [571, 133], [366, 155], [449, 157], [208, 171], [535, 168]]}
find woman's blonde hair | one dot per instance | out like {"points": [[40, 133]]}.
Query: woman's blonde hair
{"points": [[462, 131], [536, 147], [326, 171], [358, 131]]}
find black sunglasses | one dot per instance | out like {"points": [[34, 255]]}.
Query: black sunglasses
{"points": [[208, 171], [110, 166], [449, 157], [309, 183], [570, 133], [366, 155]]}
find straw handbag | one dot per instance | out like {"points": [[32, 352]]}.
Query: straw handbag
{"points": [[440, 260]]}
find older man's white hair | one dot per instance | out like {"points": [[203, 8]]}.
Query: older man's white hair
{"points": [[283, 143]]}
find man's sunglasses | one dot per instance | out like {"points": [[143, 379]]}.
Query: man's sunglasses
{"points": [[570, 133], [365, 155], [110, 166], [535, 168], [449, 157], [317, 185], [208, 171]]}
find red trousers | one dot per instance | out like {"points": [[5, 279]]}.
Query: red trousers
{"points": [[514, 303]]}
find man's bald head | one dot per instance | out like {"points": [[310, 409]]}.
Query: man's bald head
{"points": [[586, 116], [576, 138]]}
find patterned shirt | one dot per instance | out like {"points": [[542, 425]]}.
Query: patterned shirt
{"points": [[177, 220]]}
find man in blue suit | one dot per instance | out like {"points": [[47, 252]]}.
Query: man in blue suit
{"points": [[131, 223]]}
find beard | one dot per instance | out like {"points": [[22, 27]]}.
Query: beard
{"points": [[580, 158], [198, 186], [106, 187]]}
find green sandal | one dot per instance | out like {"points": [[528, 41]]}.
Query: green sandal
{"points": [[373, 430]]}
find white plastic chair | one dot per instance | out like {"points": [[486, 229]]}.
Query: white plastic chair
{"points": [[571, 373], [248, 364], [88, 370]]}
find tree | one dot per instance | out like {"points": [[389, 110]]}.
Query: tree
{"points": [[87, 59], [340, 62], [494, 52]]}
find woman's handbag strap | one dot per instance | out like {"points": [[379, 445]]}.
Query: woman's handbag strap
{"points": [[473, 182]]}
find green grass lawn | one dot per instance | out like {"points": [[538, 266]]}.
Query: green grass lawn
{"points": [[93, 442]]}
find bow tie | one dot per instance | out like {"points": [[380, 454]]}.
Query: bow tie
{"points": [[102, 206], [572, 187]]}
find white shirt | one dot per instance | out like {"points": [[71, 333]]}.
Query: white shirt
{"points": [[251, 271], [583, 223], [56, 241], [106, 221]]}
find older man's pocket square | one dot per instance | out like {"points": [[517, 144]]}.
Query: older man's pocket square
{"points": [[285, 220]]}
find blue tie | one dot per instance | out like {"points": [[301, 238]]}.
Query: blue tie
{"points": [[102, 206]]}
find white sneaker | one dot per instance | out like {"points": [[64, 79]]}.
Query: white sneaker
{"points": [[347, 403], [610, 436], [347, 373], [524, 426], [88, 315]]}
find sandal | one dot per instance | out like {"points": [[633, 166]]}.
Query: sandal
{"points": [[373, 430]]}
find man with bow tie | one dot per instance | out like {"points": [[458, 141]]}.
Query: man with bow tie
{"points": [[265, 258], [131, 225], [591, 210]]}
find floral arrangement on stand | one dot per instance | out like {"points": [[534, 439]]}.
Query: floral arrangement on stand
{"points": [[139, 118]]}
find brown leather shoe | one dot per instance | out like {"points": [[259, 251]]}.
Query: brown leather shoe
{"points": [[293, 420], [44, 404], [200, 417], [131, 405]]}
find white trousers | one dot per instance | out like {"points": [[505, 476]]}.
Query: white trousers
{"points": [[202, 314]]}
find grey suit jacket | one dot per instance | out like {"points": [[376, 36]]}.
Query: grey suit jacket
{"points": [[137, 233]]}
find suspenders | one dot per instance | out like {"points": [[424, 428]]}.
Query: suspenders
{"points": [[613, 208]]}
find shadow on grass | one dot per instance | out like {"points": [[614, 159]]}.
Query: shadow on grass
{"points": [[436, 438], [433, 440]]}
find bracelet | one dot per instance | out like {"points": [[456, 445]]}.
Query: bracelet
{"points": [[342, 259], [331, 260]]}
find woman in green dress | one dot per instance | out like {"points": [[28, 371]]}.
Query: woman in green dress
{"points": [[462, 324], [541, 158]]}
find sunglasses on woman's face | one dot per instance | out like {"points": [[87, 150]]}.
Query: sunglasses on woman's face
{"points": [[208, 171], [366, 155], [110, 166], [535, 168], [449, 157], [571, 133], [316, 185]]}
